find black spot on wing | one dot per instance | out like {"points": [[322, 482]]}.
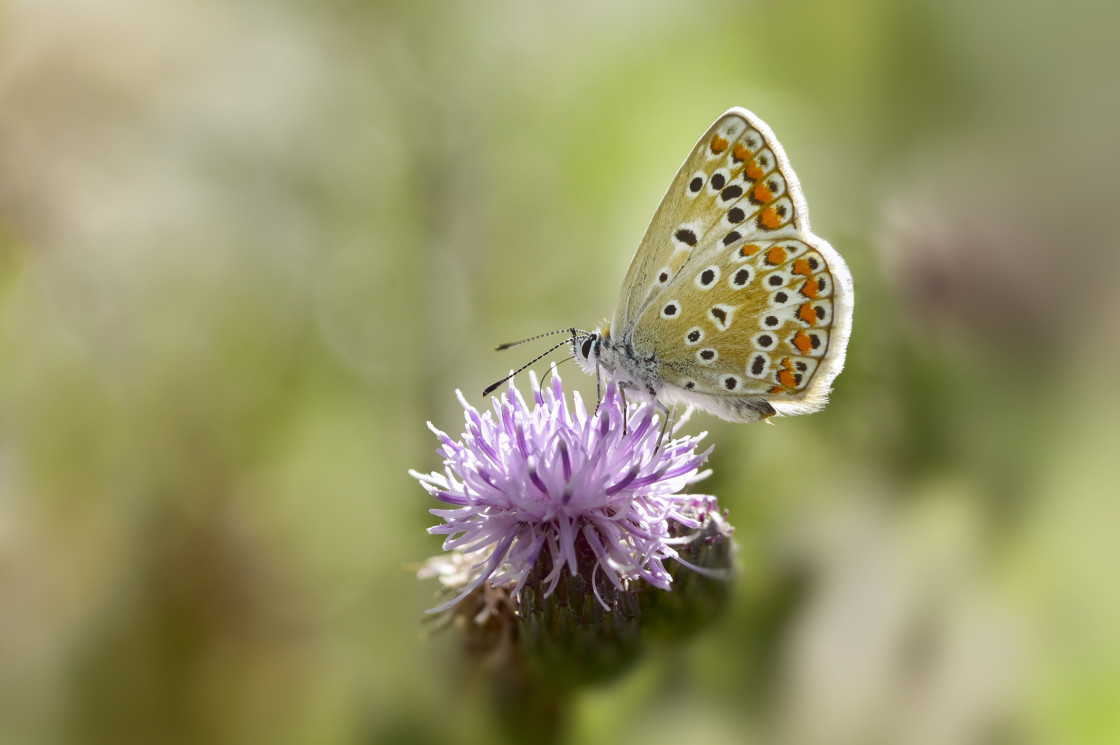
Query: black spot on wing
{"points": [[732, 192]]}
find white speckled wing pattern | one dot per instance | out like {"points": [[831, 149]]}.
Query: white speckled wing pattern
{"points": [[746, 311]]}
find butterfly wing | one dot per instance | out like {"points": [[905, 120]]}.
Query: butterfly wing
{"points": [[690, 209], [747, 312]]}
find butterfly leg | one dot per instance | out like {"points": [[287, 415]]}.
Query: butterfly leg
{"points": [[667, 423], [625, 412], [598, 387]]}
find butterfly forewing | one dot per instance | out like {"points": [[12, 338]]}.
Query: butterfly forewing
{"points": [[731, 183], [729, 290]]}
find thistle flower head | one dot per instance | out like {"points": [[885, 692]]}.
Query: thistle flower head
{"points": [[556, 481]]}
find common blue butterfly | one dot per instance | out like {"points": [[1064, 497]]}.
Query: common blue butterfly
{"points": [[731, 303]]}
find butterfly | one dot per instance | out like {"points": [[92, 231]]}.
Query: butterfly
{"points": [[731, 303]]}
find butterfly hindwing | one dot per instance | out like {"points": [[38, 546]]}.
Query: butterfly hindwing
{"points": [[751, 319]]}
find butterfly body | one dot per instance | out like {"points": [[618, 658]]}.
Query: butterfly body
{"points": [[639, 371], [731, 303]]}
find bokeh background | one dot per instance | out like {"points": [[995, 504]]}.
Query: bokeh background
{"points": [[248, 249]]}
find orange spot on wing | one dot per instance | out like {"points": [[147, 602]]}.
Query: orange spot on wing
{"points": [[810, 289], [801, 266], [762, 193], [777, 389], [752, 171], [749, 250], [786, 376], [802, 342], [807, 314], [769, 219], [776, 256], [740, 152], [718, 144]]}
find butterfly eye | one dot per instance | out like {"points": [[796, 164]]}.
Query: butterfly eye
{"points": [[585, 350]]}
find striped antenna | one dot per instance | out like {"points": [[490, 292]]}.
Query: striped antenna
{"points": [[575, 337], [569, 330]]}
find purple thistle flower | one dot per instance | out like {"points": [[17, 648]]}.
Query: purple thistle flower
{"points": [[525, 480]]}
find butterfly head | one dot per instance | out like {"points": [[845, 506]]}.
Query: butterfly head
{"points": [[588, 349], [599, 354]]}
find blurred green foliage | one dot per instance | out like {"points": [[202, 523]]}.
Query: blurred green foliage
{"points": [[247, 249]]}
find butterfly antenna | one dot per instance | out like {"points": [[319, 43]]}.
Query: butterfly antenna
{"points": [[512, 344], [538, 358]]}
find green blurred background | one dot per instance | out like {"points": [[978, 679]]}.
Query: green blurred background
{"points": [[248, 249]]}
